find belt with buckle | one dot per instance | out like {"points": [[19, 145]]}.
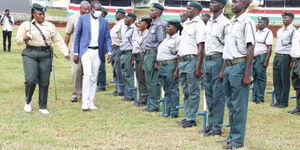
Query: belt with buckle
{"points": [[295, 59], [187, 57], [115, 46], [235, 61], [211, 57], [94, 47], [151, 51], [139, 54], [166, 62], [277, 54], [38, 48], [125, 52]]}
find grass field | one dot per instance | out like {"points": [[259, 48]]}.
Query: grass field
{"points": [[117, 124]]}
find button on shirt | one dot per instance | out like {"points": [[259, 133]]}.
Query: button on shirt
{"points": [[193, 33], [238, 33], [7, 25], [295, 50], [117, 31], [49, 31], [94, 32], [168, 48], [214, 42], [156, 34], [284, 39], [263, 38], [128, 38], [71, 28], [137, 44]]}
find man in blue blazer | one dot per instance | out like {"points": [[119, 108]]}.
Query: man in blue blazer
{"points": [[91, 36]]}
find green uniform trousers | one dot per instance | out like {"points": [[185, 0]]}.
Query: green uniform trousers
{"points": [[151, 77], [260, 78], [37, 68], [140, 76], [295, 75], [281, 79], [191, 88], [214, 93], [116, 56], [170, 86], [101, 78], [236, 97], [127, 74]]}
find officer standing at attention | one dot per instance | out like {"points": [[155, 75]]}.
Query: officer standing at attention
{"points": [[138, 57], [213, 85], [38, 35], [168, 71], [116, 34], [262, 53], [126, 46], [206, 18], [295, 72], [183, 19], [191, 49], [155, 36], [238, 55], [281, 74], [77, 72]]}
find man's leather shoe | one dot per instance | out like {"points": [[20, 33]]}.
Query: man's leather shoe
{"points": [[173, 116], [233, 145], [181, 122], [140, 104], [275, 105], [282, 106], [74, 99], [294, 111], [213, 133], [127, 99], [101, 89], [206, 130], [151, 109], [227, 140], [166, 115], [189, 124]]}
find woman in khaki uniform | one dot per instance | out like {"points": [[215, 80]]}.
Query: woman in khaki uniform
{"points": [[38, 35]]}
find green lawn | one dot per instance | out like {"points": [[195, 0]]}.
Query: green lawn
{"points": [[117, 124], [56, 12]]}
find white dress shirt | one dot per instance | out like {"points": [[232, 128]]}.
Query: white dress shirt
{"points": [[284, 39], [168, 48], [263, 38], [7, 26], [94, 32], [117, 32], [295, 50], [137, 44]]}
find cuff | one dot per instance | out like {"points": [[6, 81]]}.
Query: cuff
{"points": [[109, 53], [76, 54]]}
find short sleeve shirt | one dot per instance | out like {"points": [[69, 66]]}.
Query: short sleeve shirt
{"points": [[156, 34], [295, 50], [71, 28], [168, 48], [117, 32], [128, 38], [137, 44], [263, 38], [284, 39]]}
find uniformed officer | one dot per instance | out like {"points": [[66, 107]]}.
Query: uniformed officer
{"points": [[238, 55], [168, 71], [206, 18], [101, 79], [77, 72], [281, 74], [183, 19], [138, 57], [190, 53], [116, 36], [126, 53], [38, 35], [213, 85], [155, 36], [295, 72], [262, 53]]}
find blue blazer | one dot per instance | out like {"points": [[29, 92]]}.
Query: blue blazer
{"points": [[83, 36]]}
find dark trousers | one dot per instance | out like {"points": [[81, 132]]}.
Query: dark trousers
{"points": [[260, 78], [6, 35], [140, 76], [37, 68], [295, 76], [281, 79], [101, 82]]}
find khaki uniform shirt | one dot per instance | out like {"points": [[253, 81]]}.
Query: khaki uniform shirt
{"points": [[193, 33], [238, 33], [263, 38], [284, 39], [71, 29], [117, 32], [129, 37], [168, 48], [50, 33], [137, 44], [214, 42]]}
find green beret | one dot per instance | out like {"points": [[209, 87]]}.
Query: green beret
{"points": [[288, 14], [158, 6], [104, 10], [121, 11], [222, 1], [131, 15], [176, 23], [263, 18], [207, 15], [195, 4], [183, 14], [38, 7], [146, 19]]}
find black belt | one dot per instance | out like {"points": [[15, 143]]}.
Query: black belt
{"points": [[151, 51], [276, 54], [38, 48], [94, 47], [186, 57], [139, 54], [125, 52], [235, 61], [216, 55]]}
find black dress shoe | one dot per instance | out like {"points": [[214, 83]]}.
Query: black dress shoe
{"points": [[140, 104], [101, 89], [127, 99], [189, 124], [173, 116], [166, 115], [213, 133], [233, 145], [206, 130], [151, 109], [294, 111], [227, 140], [181, 122], [74, 99], [275, 105], [282, 106]]}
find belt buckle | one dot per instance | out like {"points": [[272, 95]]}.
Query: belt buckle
{"points": [[39, 48]]}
